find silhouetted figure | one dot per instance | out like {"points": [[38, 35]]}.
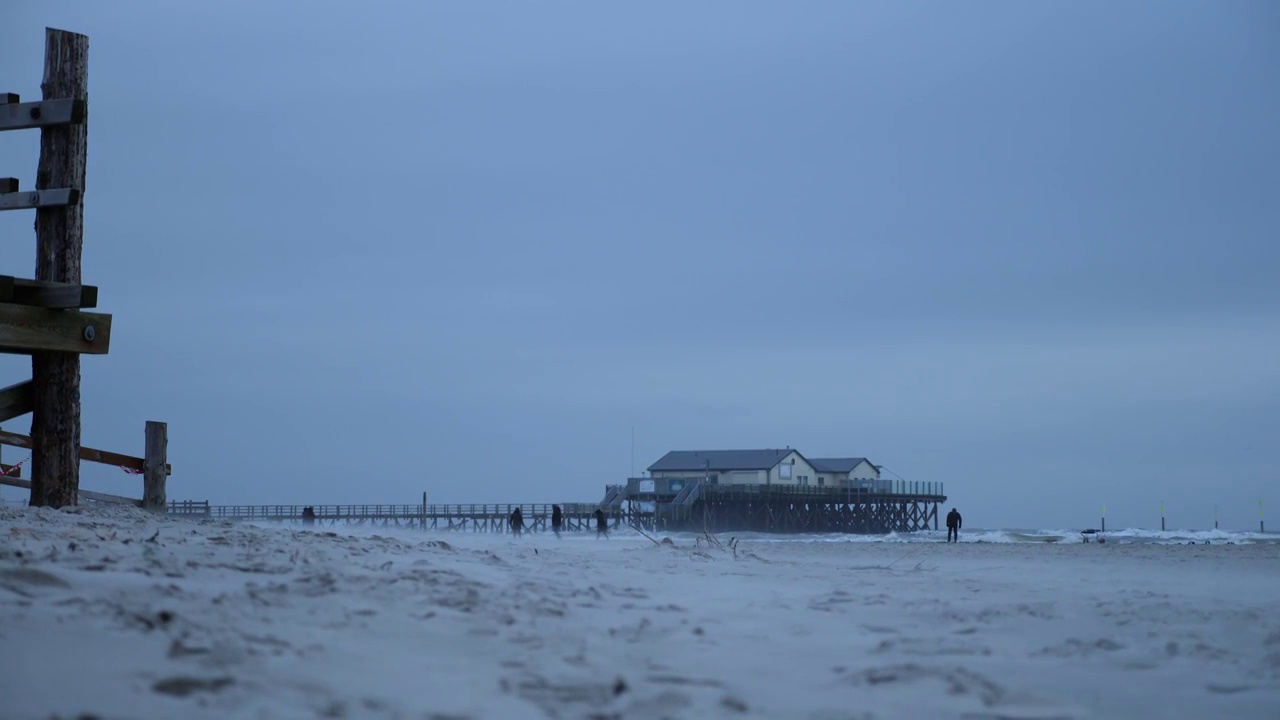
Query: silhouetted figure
{"points": [[953, 526], [557, 519], [517, 522], [308, 515], [602, 524]]}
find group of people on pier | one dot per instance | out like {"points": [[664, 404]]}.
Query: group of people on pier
{"points": [[516, 522]]}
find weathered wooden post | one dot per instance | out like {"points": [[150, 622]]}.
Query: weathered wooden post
{"points": [[55, 424], [154, 464]]}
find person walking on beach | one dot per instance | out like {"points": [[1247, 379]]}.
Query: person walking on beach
{"points": [[602, 524], [557, 519], [517, 522], [953, 526]]}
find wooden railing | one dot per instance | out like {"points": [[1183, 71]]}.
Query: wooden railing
{"points": [[375, 512], [153, 483]]}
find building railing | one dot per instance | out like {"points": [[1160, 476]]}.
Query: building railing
{"points": [[670, 485], [854, 487], [898, 487]]}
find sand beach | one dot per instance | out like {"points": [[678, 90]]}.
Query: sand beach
{"points": [[115, 613]]}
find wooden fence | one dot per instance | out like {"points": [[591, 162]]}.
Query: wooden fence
{"points": [[44, 317], [153, 483]]}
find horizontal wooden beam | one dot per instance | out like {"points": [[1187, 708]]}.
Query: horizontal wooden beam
{"points": [[44, 113], [25, 330], [16, 401], [109, 458], [98, 456], [86, 494], [53, 295], [32, 199]]}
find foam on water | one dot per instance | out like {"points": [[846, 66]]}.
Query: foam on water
{"points": [[1018, 535], [1182, 537]]}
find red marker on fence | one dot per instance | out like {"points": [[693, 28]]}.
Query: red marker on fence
{"points": [[15, 468]]}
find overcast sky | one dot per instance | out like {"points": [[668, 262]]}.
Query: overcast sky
{"points": [[361, 250]]}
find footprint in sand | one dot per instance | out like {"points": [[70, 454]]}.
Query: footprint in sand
{"points": [[627, 592], [986, 700], [1081, 648], [184, 686], [956, 680], [29, 582], [832, 602], [930, 647], [558, 698]]}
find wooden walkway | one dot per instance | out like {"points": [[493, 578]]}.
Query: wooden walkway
{"points": [[475, 517]]}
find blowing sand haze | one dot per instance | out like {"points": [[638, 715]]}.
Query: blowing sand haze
{"points": [[154, 617]]}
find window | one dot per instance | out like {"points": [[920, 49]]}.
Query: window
{"points": [[784, 471]]}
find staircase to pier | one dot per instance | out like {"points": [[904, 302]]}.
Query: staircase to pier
{"points": [[613, 497]]}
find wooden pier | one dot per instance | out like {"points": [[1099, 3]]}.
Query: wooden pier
{"points": [[692, 505], [696, 507], [795, 509]]}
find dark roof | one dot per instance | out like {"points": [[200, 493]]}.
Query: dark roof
{"points": [[836, 465], [720, 460]]}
